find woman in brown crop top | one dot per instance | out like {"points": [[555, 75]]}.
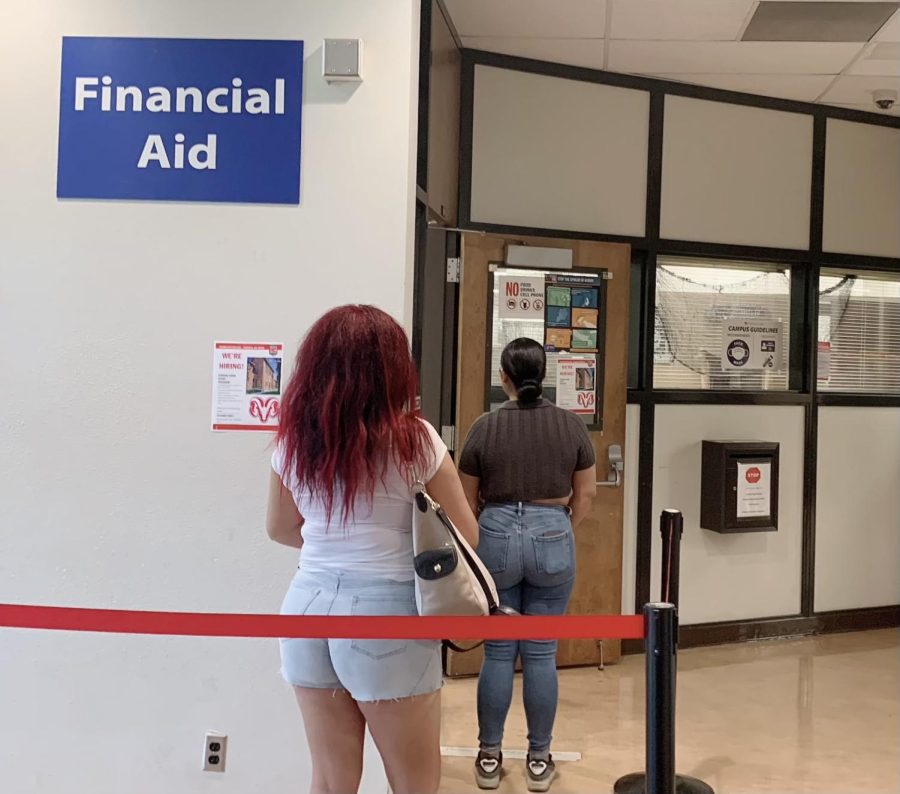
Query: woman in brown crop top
{"points": [[529, 468]]}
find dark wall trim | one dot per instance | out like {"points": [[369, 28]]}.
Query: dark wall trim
{"points": [[858, 400], [654, 165], [567, 234], [466, 104], [770, 628], [780, 627], [756, 253], [853, 261], [691, 397], [645, 518], [425, 7], [811, 322]]}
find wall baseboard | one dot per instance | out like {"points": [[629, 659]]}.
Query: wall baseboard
{"points": [[781, 627]]}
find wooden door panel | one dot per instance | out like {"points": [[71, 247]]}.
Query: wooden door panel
{"points": [[598, 587]]}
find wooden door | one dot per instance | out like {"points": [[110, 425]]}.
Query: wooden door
{"points": [[598, 588]]}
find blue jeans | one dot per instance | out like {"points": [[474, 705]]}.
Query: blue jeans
{"points": [[530, 550]]}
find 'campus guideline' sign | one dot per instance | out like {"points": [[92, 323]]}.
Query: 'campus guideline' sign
{"points": [[180, 119]]}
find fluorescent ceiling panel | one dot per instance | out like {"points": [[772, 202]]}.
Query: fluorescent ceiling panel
{"points": [[834, 21]]}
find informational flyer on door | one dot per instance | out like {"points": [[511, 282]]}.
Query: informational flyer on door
{"points": [[521, 297], [246, 385], [754, 490], [576, 384], [752, 345]]}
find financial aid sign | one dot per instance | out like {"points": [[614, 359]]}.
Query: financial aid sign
{"points": [[180, 119]]}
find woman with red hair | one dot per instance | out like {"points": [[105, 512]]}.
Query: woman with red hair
{"points": [[349, 448]]}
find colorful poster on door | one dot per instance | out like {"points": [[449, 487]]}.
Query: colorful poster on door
{"points": [[247, 382], [754, 490], [521, 297], [576, 384], [752, 345], [572, 318]]}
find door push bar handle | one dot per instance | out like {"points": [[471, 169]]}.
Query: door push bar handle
{"points": [[616, 467]]}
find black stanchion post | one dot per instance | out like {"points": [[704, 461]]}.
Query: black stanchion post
{"points": [[659, 620], [671, 527]]}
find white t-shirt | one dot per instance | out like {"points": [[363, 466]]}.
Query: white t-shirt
{"points": [[376, 540]]}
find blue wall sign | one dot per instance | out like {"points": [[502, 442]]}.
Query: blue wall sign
{"points": [[180, 119]]}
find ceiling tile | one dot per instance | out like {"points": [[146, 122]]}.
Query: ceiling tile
{"points": [[799, 87], [694, 20], [822, 21], [857, 90], [575, 52], [880, 59], [891, 29], [529, 18], [730, 57], [894, 111]]}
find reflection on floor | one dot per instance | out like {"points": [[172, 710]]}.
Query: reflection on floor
{"points": [[809, 715]]}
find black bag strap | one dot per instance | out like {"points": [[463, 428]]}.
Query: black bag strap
{"points": [[459, 649], [473, 566]]}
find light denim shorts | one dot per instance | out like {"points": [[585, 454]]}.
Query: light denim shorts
{"points": [[369, 670]]}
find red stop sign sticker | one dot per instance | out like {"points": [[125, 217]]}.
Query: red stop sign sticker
{"points": [[753, 475]]}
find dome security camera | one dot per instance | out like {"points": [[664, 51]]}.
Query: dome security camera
{"points": [[884, 98]]}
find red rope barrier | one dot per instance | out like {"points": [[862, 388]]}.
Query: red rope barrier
{"points": [[202, 624]]}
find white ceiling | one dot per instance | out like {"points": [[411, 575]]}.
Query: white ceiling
{"points": [[690, 41]]}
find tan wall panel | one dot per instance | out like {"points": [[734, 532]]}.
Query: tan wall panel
{"points": [[558, 154], [735, 174], [862, 189]]}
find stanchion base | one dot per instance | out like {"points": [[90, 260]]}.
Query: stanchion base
{"points": [[636, 784]]}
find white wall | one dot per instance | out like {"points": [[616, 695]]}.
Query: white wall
{"points": [[857, 523], [740, 576], [115, 493]]}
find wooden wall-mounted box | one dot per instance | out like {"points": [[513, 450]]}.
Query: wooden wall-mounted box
{"points": [[739, 486]]}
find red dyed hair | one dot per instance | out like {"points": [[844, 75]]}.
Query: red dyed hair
{"points": [[350, 407]]}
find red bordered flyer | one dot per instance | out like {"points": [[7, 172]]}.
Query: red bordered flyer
{"points": [[247, 380]]}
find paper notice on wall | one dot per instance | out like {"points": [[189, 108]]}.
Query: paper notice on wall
{"points": [[823, 362], [576, 384], [756, 345], [246, 385], [521, 297], [754, 490]]}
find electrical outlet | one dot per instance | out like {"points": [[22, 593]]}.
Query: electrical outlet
{"points": [[214, 748]]}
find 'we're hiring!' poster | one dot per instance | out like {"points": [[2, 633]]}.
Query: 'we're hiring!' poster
{"points": [[247, 380]]}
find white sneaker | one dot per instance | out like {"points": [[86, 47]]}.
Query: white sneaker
{"points": [[540, 774]]}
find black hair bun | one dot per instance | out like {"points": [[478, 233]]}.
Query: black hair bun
{"points": [[529, 391]]}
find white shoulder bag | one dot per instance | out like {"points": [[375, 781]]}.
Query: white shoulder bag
{"points": [[450, 578]]}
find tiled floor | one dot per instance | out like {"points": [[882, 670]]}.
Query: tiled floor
{"points": [[810, 715]]}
